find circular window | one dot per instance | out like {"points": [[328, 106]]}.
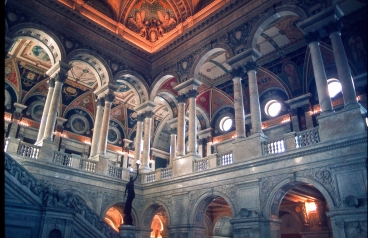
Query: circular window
{"points": [[79, 124], [272, 108], [113, 135], [225, 123], [334, 87]]}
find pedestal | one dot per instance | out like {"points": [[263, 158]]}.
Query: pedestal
{"points": [[47, 150], [248, 148], [340, 124], [126, 231], [102, 166], [183, 164], [13, 145]]}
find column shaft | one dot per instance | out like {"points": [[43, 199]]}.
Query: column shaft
{"points": [[97, 127], [254, 102], [146, 140], [181, 129], [320, 77], [105, 124], [192, 130], [51, 118], [239, 108], [172, 148], [343, 69], [138, 139], [46, 109]]}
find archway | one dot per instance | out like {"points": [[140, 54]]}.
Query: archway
{"points": [[301, 207], [156, 220]]}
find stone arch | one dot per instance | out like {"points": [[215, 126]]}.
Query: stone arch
{"points": [[202, 202], [161, 79], [278, 192], [161, 127], [52, 45], [102, 71], [270, 17], [81, 195], [205, 116], [136, 81], [120, 202], [150, 211], [201, 59]]}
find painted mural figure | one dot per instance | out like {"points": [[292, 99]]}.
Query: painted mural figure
{"points": [[128, 203], [292, 76]]}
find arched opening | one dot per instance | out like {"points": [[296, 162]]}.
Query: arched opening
{"points": [[302, 210], [55, 233], [114, 216], [156, 218], [213, 214]]}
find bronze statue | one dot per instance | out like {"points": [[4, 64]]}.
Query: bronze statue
{"points": [[128, 220]]}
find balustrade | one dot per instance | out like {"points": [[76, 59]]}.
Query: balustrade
{"points": [[307, 137], [201, 164], [166, 173], [150, 177], [274, 146], [61, 158], [225, 159], [115, 171], [28, 150], [88, 165]]}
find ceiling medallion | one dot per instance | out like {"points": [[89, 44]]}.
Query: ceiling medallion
{"points": [[152, 19]]}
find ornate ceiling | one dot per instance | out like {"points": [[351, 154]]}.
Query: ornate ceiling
{"points": [[149, 24]]}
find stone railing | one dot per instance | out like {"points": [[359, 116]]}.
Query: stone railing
{"points": [[225, 158], [166, 173], [274, 146], [28, 150], [50, 197], [201, 164], [307, 137], [115, 171], [88, 165], [150, 177], [61, 158]]}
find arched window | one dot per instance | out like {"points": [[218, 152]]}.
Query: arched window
{"points": [[334, 87], [272, 108]]}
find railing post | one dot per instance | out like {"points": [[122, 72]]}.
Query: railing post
{"points": [[158, 174], [75, 161], [212, 160], [290, 141]]}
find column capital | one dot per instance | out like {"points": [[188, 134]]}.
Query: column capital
{"points": [[105, 89], [193, 93], [173, 131], [59, 70], [140, 117], [334, 26], [187, 85], [148, 114], [109, 97], [51, 83], [100, 102], [182, 98], [313, 36], [145, 106], [238, 72], [241, 59], [251, 65], [293, 112]]}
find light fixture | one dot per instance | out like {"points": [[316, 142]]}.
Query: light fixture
{"points": [[334, 87], [310, 207], [272, 108]]}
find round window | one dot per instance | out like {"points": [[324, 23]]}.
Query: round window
{"points": [[225, 123], [272, 108], [334, 87]]}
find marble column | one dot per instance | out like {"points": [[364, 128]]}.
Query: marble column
{"points": [[100, 103], [138, 138], [17, 116], [312, 39], [255, 110], [192, 129], [342, 64], [59, 130], [238, 102], [109, 98], [59, 71], [181, 125], [46, 109], [172, 145], [294, 119], [146, 140]]}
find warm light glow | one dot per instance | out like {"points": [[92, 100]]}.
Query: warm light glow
{"points": [[87, 142], [131, 170], [358, 98], [287, 119], [310, 207], [23, 123], [272, 108], [7, 118]]}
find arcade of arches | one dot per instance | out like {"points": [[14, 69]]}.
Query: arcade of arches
{"points": [[248, 118]]}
